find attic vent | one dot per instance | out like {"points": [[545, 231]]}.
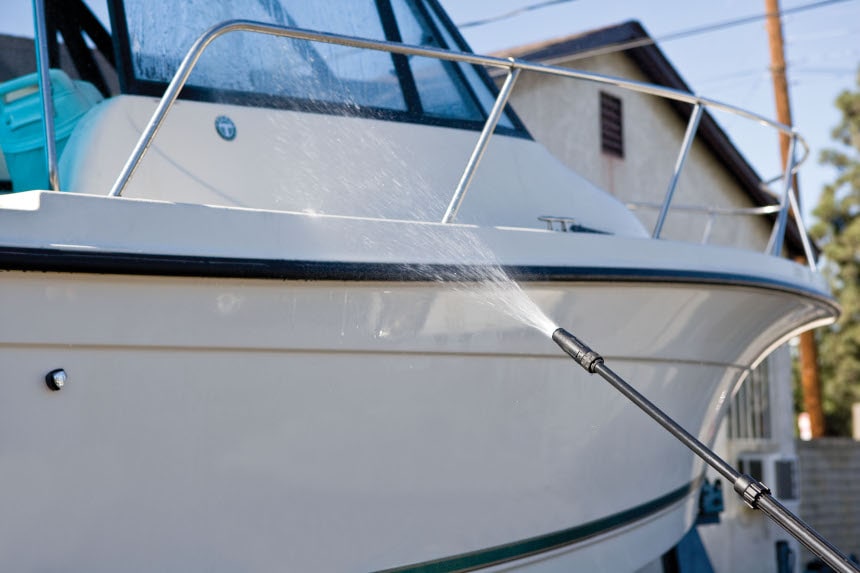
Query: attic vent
{"points": [[611, 135]]}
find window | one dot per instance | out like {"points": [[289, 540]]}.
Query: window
{"points": [[262, 65], [749, 414], [441, 88], [260, 70], [611, 133]]}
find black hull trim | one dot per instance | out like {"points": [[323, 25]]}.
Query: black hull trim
{"points": [[66, 261]]}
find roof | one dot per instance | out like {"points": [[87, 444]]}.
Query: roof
{"points": [[657, 68]]}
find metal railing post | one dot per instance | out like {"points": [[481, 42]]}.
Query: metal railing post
{"points": [[481, 145], [164, 105], [777, 237], [45, 92], [804, 237], [194, 53], [689, 137], [706, 234]]}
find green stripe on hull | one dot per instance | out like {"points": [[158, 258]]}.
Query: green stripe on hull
{"points": [[542, 543]]}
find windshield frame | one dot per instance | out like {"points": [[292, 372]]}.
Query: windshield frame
{"points": [[132, 85]]}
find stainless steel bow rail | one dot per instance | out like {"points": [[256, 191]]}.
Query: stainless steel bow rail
{"points": [[711, 212], [754, 493], [787, 202]]}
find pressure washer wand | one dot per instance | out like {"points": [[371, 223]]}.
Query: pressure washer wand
{"points": [[754, 493]]}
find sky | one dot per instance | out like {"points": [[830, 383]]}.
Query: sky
{"points": [[822, 51]]}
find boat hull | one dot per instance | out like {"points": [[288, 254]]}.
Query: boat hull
{"points": [[251, 424]]}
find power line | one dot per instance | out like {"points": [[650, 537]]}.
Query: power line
{"points": [[715, 85], [512, 13], [827, 71], [699, 30], [818, 36], [742, 76]]}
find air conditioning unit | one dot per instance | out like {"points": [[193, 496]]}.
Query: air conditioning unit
{"points": [[776, 471]]}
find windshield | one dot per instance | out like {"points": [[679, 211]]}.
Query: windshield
{"points": [[257, 69]]}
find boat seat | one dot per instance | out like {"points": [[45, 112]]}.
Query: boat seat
{"points": [[22, 131]]}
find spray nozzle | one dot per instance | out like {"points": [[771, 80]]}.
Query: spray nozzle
{"points": [[577, 349]]}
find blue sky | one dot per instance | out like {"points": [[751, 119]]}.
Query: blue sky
{"points": [[731, 65]]}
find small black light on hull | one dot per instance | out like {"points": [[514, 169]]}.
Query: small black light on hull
{"points": [[56, 379]]}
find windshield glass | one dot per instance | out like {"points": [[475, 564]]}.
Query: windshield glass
{"points": [[266, 70]]}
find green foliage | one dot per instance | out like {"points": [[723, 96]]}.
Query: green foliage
{"points": [[838, 232]]}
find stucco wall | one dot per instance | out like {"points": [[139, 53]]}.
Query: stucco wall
{"points": [[564, 115]]}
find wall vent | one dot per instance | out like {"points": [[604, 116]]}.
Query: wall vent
{"points": [[611, 132]]}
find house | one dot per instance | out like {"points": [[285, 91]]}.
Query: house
{"points": [[628, 143]]}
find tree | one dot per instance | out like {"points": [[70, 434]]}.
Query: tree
{"points": [[838, 231]]}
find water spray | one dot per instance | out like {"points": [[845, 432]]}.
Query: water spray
{"points": [[754, 493]]}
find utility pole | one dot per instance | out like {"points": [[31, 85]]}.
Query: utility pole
{"points": [[808, 349]]}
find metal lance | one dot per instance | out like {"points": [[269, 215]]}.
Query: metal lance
{"points": [[754, 493]]}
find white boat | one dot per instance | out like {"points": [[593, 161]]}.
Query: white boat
{"points": [[286, 340]]}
